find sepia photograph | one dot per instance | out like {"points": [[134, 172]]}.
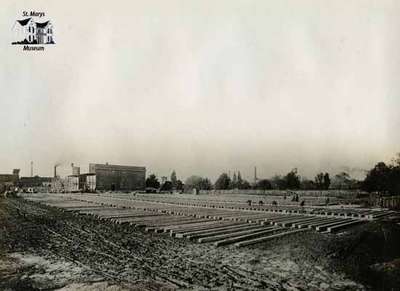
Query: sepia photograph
{"points": [[200, 145]]}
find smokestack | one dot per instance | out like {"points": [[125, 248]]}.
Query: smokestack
{"points": [[55, 171], [31, 168]]}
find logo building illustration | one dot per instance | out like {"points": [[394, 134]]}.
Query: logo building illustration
{"points": [[28, 31]]}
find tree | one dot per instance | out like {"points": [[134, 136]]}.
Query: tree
{"points": [[307, 184], [193, 182], [327, 181], [322, 181], [377, 179], [264, 184], [319, 181], [205, 184], [239, 180], [152, 182], [394, 180], [245, 185], [384, 179], [167, 186], [234, 180], [173, 179], [179, 185], [278, 182], [222, 182], [292, 179], [197, 182], [341, 181]]}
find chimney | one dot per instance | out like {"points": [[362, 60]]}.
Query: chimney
{"points": [[55, 171]]}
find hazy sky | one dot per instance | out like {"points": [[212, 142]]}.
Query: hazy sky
{"points": [[203, 86]]}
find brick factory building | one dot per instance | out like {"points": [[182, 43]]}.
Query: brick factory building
{"points": [[35, 181], [118, 178]]}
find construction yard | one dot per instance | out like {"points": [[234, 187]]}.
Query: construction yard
{"points": [[118, 241]]}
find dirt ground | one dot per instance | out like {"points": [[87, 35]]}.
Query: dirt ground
{"points": [[44, 248]]}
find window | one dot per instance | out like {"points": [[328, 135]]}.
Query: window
{"points": [[29, 38]]}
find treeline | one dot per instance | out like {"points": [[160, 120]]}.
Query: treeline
{"points": [[173, 183], [384, 179], [290, 181]]}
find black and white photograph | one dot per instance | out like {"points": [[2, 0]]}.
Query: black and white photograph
{"points": [[200, 145]]}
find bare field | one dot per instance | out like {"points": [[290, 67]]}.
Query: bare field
{"points": [[43, 247]]}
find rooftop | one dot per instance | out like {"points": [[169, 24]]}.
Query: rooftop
{"points": [[24, 21]]}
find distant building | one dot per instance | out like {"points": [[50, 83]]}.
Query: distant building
{"points": [[74, 183], [36, 181], [81, 182], [10, 178], [87, 182], [8, 181], [76, 170], [71, 184], [58, 185], [118, 178]]}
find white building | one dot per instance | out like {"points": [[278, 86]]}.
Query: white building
{"points": [[28, 31], [71, 184]]}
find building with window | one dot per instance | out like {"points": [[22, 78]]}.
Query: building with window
{"points": [[87, 182], [28, 31], [33, 182], [9, 181], [118, 178]]}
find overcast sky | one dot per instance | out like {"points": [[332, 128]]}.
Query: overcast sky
{"points": [[203, 86]]}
